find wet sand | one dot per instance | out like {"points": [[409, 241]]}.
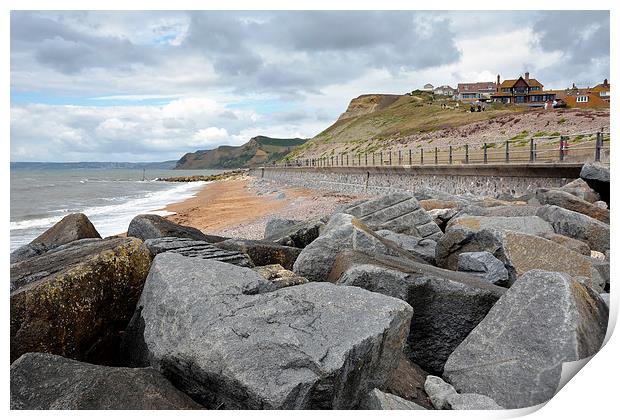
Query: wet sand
{"points": [[241, 207]]}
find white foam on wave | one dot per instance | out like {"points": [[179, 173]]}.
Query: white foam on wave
{"points": [[110, 219]]}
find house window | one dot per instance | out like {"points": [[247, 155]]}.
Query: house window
{"points": [[582, 99], [604, 94]]}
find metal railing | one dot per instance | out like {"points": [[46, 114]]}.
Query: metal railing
{"points": [[574, 148]]}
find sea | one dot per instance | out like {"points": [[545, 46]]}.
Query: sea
{"points": [[109, 197]]}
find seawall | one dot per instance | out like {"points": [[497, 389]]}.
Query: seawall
{"points": [[489, 180]]}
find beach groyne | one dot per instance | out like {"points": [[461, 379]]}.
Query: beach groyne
{"points": [[489, 180]]}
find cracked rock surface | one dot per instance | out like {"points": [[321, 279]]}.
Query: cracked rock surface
{"points": [[222, 334], [515, 354]]}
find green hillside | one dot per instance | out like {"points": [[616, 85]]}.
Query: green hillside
{"points": [[259, 150], [373, 122]]}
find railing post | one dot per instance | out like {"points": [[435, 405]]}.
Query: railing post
{"points": [[486, 159], [450, 155], [381, 157], [562, 141], [366, 159], [410, 157], [466, 154], [373, 158], [390, 154], [399, 159], [507, 152], [436, 155], [421, 156], [532, 150], [599, 146], [347, 159]]}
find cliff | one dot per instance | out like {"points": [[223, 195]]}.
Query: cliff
{"points": [[259, 150]]}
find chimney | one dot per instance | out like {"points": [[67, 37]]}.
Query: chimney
{"points": [[527, 76], [605, 82], [497, 87]]}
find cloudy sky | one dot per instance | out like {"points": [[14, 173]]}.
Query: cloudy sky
{"points": [[150, 86]]}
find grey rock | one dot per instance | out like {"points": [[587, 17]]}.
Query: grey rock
{"points": [[592, 171], [298, 234], [601, 204], [570, 202], [598, 178], [378, 400], [518, 252], [280, 196], [438, 391], [341, 233], [73, 300], [222, 335], [263, 252], [471, 402], [422, 248], [275, 226], [515, 354], [425, 193], [150, 226], [399, 212], [197, 249], [71, 228], [578, 226], [447, 305], [484, 265], [532, 225], [601, 283], [41, 381], [580, 188]]}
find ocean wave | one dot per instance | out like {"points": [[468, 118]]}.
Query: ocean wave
{"points": [[108, 219]]}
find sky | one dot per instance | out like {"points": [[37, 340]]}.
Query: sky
{"points": [[151, 86]]}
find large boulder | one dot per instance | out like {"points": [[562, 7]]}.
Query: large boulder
{"points": [[378, 400], [447, 305], [518, 251], [399, 212], [341, 233], [597, 176], [41, 381], [293, 232], [150, 226], [197, 249], [515, 354], [262, 252], [71, 228], [484, 265], [74, 300], [420, 247], [580, 188], [577, 226], [532, 225], [223, 335], [570, 202]]}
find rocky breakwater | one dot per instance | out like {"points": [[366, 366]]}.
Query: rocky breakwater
{"points": [[406, 301]]}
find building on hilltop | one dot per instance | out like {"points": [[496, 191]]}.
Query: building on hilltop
{"points": [[524, 90], [596, 97], [477, 90], [444, 90], [428, 87]]}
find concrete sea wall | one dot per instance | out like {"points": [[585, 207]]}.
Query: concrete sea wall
{"points": [[489, 180]]}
